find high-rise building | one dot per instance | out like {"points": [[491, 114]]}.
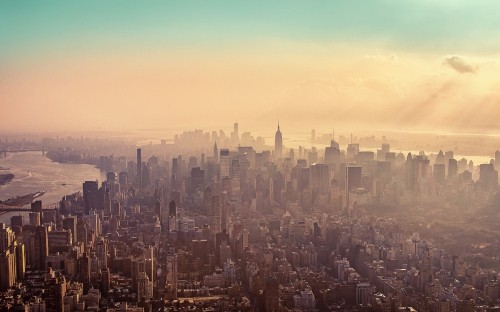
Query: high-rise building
{"points": [[41, 247], [235, 136], [90, 195], [139, 168], [488, 177], [69, 223], [278, 144], [84, 271], [215, 215], [171, 287], [7, 268], [197, 179], [225, 163], [353, 180], [216, 153], [20, 261], [320, 178]]}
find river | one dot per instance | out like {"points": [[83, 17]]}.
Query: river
{"points": [[34, 172]]}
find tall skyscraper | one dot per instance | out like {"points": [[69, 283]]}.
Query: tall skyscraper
{"points": [[41, 245], [225, 163], [139, 168], [352, 180], [320, 178], [235, 136], [7, 268], [278, 144], [90, 195], [216, 153]]}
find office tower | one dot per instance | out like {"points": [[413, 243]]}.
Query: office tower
{"points": [[20, 261], [197, 180], [139, 168], [278, 144], [452, 168], [41, 247], [175, 173], [235, 180], [172, 209], [84, 271], [70, 223], [488, 177], [90, 195], [101, 249], [320, 179], [216, 153], [235, 137], [224, 163], [172, 216], [7, 268], [352, 180], [171, 280], [146, 176], [332, 153], [215, 215]]}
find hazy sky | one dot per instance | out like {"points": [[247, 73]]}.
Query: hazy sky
{"points": [[403, 64]]}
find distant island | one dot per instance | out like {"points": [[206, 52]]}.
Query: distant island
{"points": [[6, 178]]}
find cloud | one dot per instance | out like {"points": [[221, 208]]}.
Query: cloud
{"points": [[460, 64]]}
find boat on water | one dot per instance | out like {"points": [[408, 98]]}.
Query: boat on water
{"points": [[22, 200]]}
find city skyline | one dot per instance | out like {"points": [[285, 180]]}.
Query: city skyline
{"points": [[415, 65]]}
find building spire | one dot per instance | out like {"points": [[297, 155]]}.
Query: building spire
{"points": [[278, 125]]}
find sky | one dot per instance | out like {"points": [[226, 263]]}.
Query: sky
{"points": [[119, 64]]}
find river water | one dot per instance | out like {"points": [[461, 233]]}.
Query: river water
{"points": [[34, 172]]}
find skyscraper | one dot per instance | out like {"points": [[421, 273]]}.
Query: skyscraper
{"points": [[41, 245], [90, 195], [352, 180], [139, 168], [225, 163], [216, 153], [278, 144]]}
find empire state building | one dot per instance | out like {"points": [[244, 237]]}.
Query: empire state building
{"points": [[278, 144]]}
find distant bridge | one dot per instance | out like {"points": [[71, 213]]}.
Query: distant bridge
{"points": [[18, 150]]}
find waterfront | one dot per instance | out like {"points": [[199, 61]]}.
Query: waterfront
{"points": [[34, 172]]}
